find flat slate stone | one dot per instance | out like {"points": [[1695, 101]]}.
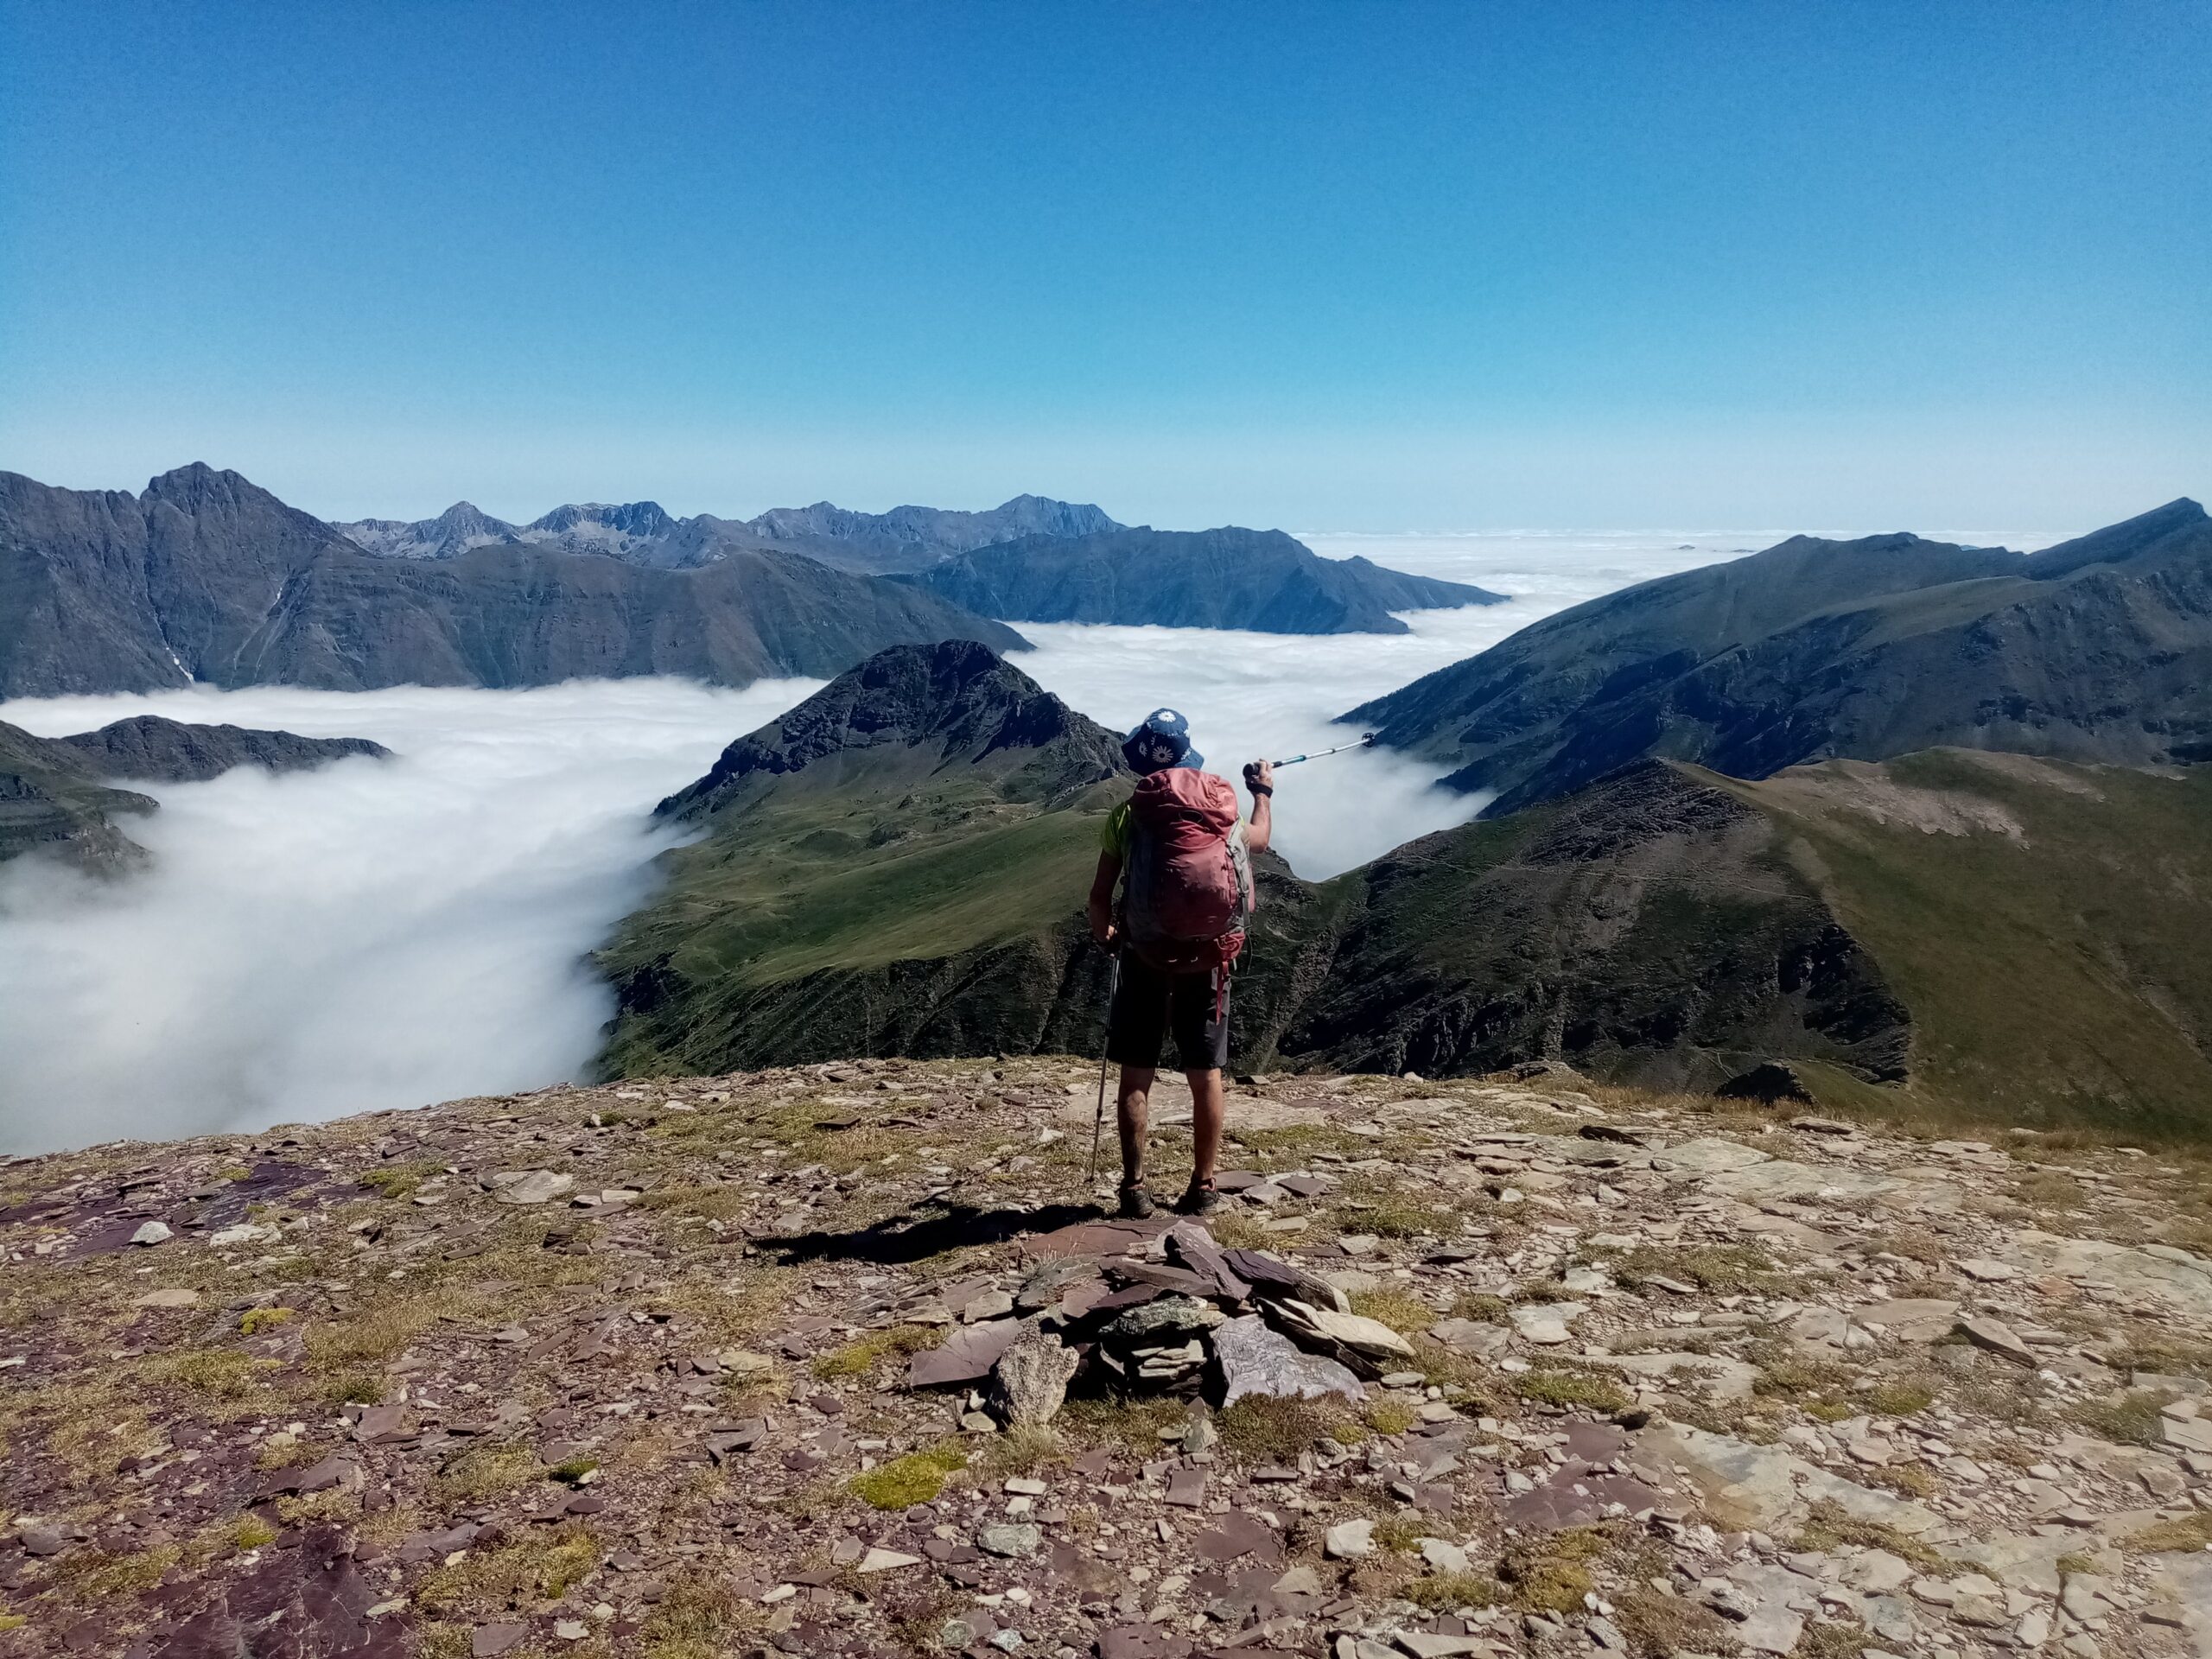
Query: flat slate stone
{"points": [[966, 1356]]}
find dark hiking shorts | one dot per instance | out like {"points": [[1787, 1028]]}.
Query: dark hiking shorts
{"points": [[1150, 1006]]}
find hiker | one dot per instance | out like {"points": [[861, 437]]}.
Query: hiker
{"points": [[1178, 928]]}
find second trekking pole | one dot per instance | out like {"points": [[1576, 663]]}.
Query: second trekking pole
{"points": [[1098, 1118]]}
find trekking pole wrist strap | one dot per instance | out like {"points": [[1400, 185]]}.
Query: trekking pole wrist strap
{"points": [[1261, 789]]}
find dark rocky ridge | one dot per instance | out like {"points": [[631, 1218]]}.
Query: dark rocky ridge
{"points": [[51, 801], [922, 707], [156, 750], [206, 577], [52, 797], [2100, 650], [1261, 580]]}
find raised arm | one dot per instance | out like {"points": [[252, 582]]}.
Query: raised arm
{"points": [[1260, 779]]}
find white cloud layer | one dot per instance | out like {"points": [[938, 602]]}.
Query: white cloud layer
{"points": [[376, 935]]}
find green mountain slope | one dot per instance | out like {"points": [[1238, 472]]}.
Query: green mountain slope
{"points": [[2043, 923], [895, 866]]}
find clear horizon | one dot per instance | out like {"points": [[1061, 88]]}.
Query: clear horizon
{"points": [[1389, 267]]}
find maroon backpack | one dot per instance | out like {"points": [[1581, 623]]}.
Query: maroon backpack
{"points": [[1189, 883]]}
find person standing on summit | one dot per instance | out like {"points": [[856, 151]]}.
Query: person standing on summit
{"points": [[1182, 860]]}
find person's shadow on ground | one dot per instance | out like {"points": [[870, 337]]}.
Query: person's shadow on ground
{"points": [[905, 1238]]}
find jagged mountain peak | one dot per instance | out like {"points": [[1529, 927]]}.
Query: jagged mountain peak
{"points": [[955, 700]]}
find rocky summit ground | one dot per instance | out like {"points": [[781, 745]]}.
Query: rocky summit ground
{"points": [[845, 1360]]}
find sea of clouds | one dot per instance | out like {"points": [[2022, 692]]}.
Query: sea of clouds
{"points": [[380, 934]]}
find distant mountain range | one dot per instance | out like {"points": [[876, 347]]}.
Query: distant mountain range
{"points": [[639, 532], [2097, 649], [896, 867], [1228, 578], [206, 577], [54, 798]]}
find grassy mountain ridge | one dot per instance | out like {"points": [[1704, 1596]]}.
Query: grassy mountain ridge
{"points": [[878, 867]]}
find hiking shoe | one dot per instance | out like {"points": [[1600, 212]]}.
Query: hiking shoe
{"points": [[1199, 1201], [1136, 1203]]}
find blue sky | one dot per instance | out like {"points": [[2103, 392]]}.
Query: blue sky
{"points": [[1361, 265]]}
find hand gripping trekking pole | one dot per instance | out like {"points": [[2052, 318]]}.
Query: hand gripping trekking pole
{"points": [[1366, 741], [1098, 1118]]}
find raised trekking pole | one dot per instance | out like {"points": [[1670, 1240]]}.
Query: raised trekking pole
{"points": [[1098, 1118], [1366, 741]]}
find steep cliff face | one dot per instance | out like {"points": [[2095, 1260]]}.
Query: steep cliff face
{"points": [[2097, 650], [206, 577], [1229, 578]]}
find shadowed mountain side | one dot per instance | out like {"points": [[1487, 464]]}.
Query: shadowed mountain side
{"points": [[1261, 580], [2100, 650], [206, 577], [1644, 931], [169, 751]]}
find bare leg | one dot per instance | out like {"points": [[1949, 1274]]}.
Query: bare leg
{"points": [[1129, 1120], [1206, 1113]]}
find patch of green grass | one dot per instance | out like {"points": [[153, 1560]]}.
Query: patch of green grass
{"points": [[1481, 1306], [858, 1358], [698, 1614], [1387, 1417], [1390, 1216], [1566, 1388], [399, 1181], [1130, 1421], [1262, 1427], [534, 1567], [1402, 1311], [1899, 1398], [2192, 1531], [253, 1532], [211, 1373], [1718, 1269], [255, 1320], [1023, 1450], [1659, 1626], [1552, 1574], [573, 1471], [904, 1481], [2130, 1419], [1446, 1593], [1828, 1527], [483, 1472]]}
